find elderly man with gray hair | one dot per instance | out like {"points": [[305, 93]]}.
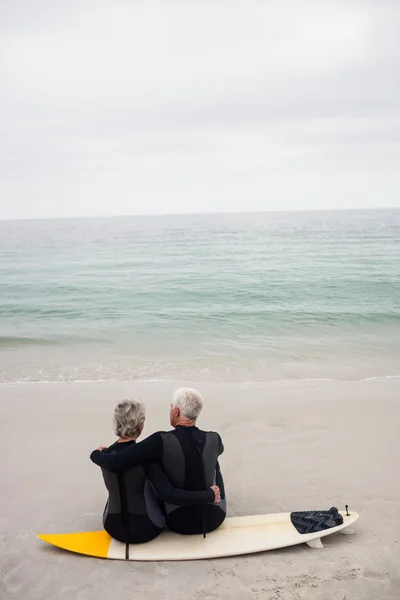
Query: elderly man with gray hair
{"points": [[189, 457]]}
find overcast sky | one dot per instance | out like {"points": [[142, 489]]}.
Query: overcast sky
{"points": [[144, 107]]}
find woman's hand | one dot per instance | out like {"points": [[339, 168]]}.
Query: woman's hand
{"points": [[217, 494], [101, 448]]}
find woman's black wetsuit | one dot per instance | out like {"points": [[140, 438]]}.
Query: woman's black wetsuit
{"points": [[133, 513]]}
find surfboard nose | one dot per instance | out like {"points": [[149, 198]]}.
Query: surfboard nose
{"points": [[92, 543]]}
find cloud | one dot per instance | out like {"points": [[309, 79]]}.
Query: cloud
{"points": [[147, 107]]}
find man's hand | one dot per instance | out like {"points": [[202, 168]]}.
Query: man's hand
{"points": [[101, 448], [217, 494]]}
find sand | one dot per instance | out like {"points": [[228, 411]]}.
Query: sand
{"points": [[288, 446]]}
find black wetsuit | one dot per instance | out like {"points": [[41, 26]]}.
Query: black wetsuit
{"points": [[134, 513], [189, 458]]}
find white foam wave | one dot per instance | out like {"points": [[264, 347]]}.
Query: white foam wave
{"points": [[202, 382]]}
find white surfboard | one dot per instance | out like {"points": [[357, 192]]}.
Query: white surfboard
{"points": [[237, 535]]}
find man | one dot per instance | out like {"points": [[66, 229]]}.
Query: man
{"points": [[189, 457]]}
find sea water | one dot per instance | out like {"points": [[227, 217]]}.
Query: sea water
{"points": [[235, 297]]}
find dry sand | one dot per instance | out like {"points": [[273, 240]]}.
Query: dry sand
{"points": [[288, 446]]}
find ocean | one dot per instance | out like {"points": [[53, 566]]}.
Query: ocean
{"points": [[235, 297]]}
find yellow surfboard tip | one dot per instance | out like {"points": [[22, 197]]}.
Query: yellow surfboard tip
{"points": [[92, 543]]}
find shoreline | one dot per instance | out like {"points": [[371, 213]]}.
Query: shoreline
{"points": [[192, 382]]}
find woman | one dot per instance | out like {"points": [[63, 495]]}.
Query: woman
{"points": [[134, 513]]}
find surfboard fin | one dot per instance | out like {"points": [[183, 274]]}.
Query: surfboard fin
{"points": [[315, 543]]}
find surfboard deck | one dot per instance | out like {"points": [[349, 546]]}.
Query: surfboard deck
{"points": [[237, 535]]}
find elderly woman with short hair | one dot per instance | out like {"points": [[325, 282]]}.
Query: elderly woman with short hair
{"points": [[134, 512]]}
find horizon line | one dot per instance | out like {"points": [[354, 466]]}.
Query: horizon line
{"points": [[194, 214]]}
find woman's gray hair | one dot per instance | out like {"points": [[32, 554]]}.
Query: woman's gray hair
{"points": [[128, 417], [189, 401]]}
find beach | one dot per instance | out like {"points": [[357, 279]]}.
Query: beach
{"points": [[200, 195], [288, 446], [287, 323]]}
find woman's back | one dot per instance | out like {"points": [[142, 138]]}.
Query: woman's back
{"points": [[133, 513]]}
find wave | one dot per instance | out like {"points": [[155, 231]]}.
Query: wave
{"points": [[192, 382], [6, 340], [23, 341]]}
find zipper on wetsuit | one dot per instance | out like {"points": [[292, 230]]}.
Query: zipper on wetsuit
{"points": [[124, 510], [199, 447]]}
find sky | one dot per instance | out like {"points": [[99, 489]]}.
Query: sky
{"points": [[144, 107]]}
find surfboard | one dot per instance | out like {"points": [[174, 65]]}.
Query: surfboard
{"points": [[237, 535]]}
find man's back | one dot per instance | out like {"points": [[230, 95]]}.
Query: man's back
{"points": [[190, 460]]}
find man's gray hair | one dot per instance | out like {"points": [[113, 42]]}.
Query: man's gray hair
{"points": [[128, 417], [189, 401]]}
